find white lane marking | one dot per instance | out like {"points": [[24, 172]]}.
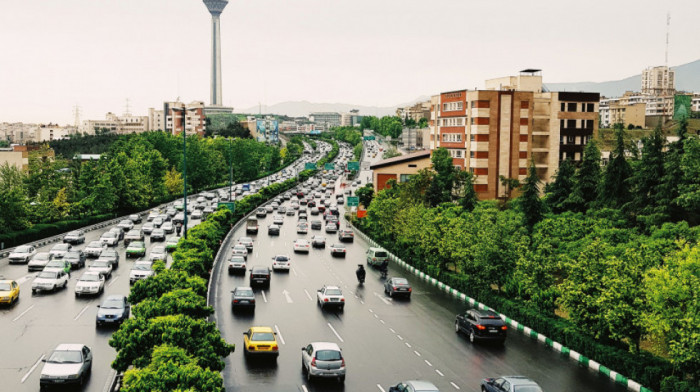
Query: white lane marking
{"points": [[362, 302], [407, 345], [335, 332], [24, 278], [114, 279], [392, 330], [81, 313], [279, 334], [382, 298], [375, 316], [303, 387], [439, 372], [286, 295], [32, 369], [416, 352], [399, 336], [23, 313], [428, 363], [264, 297], [295, 272], [371, 311], [380, 388], [382, 321], [308, 295], [454, 385], [257, 254]]}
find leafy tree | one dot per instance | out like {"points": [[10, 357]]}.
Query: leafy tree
{"points": [[14, 214], [136, 338], [174, 182], [614, 191], [669, 187], [530, 202], [510, 184], [164, 282], [365, 194], [465, 185], [561, 188], [646, 178], [586, 180], [179, 301], [172, 369], [442, 185], [390, 153], [689, 188], [423, 123]]}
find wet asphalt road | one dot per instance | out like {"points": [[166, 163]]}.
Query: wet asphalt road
{"points": [[384, 341]]}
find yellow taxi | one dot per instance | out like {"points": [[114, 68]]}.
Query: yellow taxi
{"points": [[260, 341], [9, 291]]}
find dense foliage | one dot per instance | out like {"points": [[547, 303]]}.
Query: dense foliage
{"points": [[598, 271], [385, 126], [137, 171]]}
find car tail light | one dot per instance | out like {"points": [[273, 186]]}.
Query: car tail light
{"points": [[325, 300], [267, 276], [275, 348], [313, 362], [480, 327], [235, 301], [342, 364], [342, 300], [410, 289], [504, 328], [252, 301], [393, 287], [251, 348]]}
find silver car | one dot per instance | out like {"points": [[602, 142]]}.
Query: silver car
{"points": [[90, 283], [323, 360], [60, 250], [67, 364], [95, 248], [103, 267], [39, 261]]}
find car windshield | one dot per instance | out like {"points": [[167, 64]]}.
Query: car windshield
{"points": [[136, 244], [328, 355], [527, 388], [244, 293], [262, 337], [65, 357], [380, 254], [142, 267], [41, 256], [55, 263], [109, 252], [109, 234], [23, 249], [158, 249], [4, 286], [61, 247], [72, 255], [281, 258], [333, 292], [125, 222], [48, 275], [95, 244], [112, 304], [260, 271], [100, 264], [90, 278]]}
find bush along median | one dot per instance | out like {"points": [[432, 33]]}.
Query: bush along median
{"points": [[572, 354], [169, 344]]}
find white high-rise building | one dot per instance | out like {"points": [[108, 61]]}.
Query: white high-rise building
{"points": [[658, 81]]}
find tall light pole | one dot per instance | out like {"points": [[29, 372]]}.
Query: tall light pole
{"points": [[230, 168], [184, 162]]}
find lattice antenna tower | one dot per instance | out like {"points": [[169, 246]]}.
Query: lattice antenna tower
{"points": [[127, 108], [76, 114], [668, 29]]}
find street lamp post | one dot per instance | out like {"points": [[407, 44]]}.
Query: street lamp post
{"points": [[184, 164], [230, 169]]}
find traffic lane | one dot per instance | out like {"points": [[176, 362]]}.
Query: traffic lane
{"points": [[435, 336]]}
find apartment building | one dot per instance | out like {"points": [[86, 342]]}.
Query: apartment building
{"points": [[172, 119], [15, 156], [658, 81], [326, 119], [495, 132], [613, 112]]}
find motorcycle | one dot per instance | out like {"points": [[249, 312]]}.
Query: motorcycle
{"points": [[360, 273]]}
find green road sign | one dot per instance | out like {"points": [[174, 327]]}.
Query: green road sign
{"points": [[368, 137], [353, 201], [310, 166], [329, 166], [353, 165], [230, 205]]}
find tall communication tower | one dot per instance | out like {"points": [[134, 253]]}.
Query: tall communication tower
{"points": [[215, 7], [76, 114], [127, 109], [668, 29]]}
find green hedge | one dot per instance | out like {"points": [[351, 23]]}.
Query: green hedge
{"points": [[644, 368], [42, 230]]}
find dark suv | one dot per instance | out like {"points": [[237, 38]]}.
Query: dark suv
{"points": [[260, 276], [481, 325]]}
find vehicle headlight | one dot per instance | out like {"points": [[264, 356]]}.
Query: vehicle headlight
{"points": [[73, 376]]}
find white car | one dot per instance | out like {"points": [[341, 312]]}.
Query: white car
{"points": [[158, 253], [90, 283], [330, 296], [141, 270], [302, 228], [237, 265], [49, 281], [168, 227], [103, 267], [197, 214], [60, 250], [39, 261], [247, 242], [240, 250], [22, 254], [278, 220], [95, 248], [301, 245], [110, 238], [281, 262], [126, 224]]}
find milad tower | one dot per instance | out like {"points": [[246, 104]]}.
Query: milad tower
{"points": [[216, 7]]}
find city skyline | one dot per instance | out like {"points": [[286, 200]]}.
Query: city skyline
{"points": [[97, 55]]}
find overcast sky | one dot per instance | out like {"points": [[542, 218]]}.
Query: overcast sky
{"points": [[97, 53]]}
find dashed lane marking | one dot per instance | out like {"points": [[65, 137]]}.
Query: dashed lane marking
{"points": [[382, 321], [380, 388], [382, 298], [32, 369], [335, 332], [416, 352], [407, 345], [264, 297], [81, 312], [308, 295], [399, 336], [392, 330], [279, 334], [114, 279], [24, 278], [454, 385], [428, 363], [303, 387], [439, 372], [23, 313]]}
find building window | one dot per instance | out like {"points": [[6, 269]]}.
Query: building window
{"points": [[571, 124], [452, 137], [472, 138], [562, 124], [405, 177], [524, 104], [590, 107], [412, 165], [571, 107], [471, 154], [456, 154], [451, 106], [563, 107]]}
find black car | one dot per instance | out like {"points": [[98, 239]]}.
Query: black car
{"points": [[113, 311], [483, 325], [346, 235], [273, 229], [260, 276], [76, 258], [316, 225], [242, 298], [397, 287], [111, 255]]}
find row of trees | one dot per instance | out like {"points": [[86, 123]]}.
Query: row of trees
{"points": [[135, 172], [385, 126], [352, 136], [614, 251]]}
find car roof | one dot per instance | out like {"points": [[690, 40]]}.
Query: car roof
{"points": [[69, 347], [115, 297], [519, 380], [332, 287], [261, 329], [325, 346], [486, 313], [422, 385]]}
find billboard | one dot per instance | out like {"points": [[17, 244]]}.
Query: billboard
{"points": [[267, 130], [681, 106]]}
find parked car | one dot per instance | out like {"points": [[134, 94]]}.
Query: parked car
{"points": [[509, 384], [281, 262], [396, 286], [94, 249], [318, 241], [323, 360], [114, 310], [59, 250], [301, 245], [67, 364], [39, 261], [483, 325], [90, 283], [376, 256], [346, 235], [49, 281], [76, 258], [141, 270], [338, 250], [260, 341], [414, 385], [237, 265], [242, 298], [136, 249], [260, 275], [22, 254], [75, 237], [103, 267]]}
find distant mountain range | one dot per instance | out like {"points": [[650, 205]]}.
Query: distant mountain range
{"points": [[687, 79]]}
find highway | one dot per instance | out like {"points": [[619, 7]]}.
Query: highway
{"points": [[384, 341], [33, 327]]}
